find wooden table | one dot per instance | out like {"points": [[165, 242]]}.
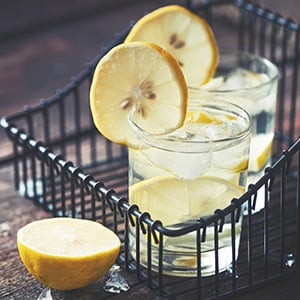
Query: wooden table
{"points": [[38, 54], [17, 284]]}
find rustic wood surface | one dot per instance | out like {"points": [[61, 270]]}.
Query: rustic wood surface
{"points": [[43, 44]]}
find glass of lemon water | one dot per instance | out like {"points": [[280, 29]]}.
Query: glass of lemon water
{"points": [[251, 82], [187, 174]]}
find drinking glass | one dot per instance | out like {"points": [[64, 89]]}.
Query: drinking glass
{"points": [[188, 174], [251, 82]]}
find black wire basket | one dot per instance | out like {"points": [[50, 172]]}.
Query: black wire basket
{"points": [[66, 167]]}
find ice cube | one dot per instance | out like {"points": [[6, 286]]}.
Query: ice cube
{"points": [[182, 164], [241, 78], [236, 84], [45, 294], [115, 283]]}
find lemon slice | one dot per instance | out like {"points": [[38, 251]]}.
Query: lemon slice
{"points": [[203, 117], [184, 34], [66, 253], [260, 151], [141, 78], [173, 200]]}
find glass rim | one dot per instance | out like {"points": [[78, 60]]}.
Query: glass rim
{"points": [[168, 143], [274, 71]]}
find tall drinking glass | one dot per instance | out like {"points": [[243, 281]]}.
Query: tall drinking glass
{"points": [[188, 174], [251, 82]]}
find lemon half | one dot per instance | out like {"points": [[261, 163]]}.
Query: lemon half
{"points": [[66, 253]]}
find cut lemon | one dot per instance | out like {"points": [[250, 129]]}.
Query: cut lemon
{"points": [[66, 253], [184, 34], [173, 200], [260, 151], [199, 116], [143, 79]]}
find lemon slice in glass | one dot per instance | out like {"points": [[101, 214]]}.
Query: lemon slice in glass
{"points": [[141, 78], [260, 151], [173, 200], [184, 34]]}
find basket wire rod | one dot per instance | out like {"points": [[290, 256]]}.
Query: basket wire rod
{"points": [[233, 250], [62, 123], [25, 174], [294, 83], [160, 263], [266, 230], [206, 8], [249, 241], [198, 253], [92, 136], [273, 46], [106, 201], [42, 175], [55, 210], [24, 179], [53, 171], [137, 248], [92, 142], [216, 251], [149, 255], [298, 214], [46, 126], [52, 204], [253, 190], [282, 218], [75, 184], [252, 33], [262, 36], [126, 241], [63, 181], [16, 166], [82, 201], [93, 206], [273, 39], [84, 190], [283, 62], [32, 160], [77, 122], [115, 219], [103, 208], [241, 29], [46, 137]]}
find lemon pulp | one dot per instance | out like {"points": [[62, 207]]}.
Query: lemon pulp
{"points": [[66, 253], [184, 34], [173, 200], [143, 79]]}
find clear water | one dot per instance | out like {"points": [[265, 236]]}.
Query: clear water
{"points": [[198, 151]]}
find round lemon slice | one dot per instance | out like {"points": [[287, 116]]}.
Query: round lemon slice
{"points": [[141, 78], [184, 34], [66, 253], [173, 200]]}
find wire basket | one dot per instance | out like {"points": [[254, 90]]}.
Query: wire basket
{"points": [[66, 167]]}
